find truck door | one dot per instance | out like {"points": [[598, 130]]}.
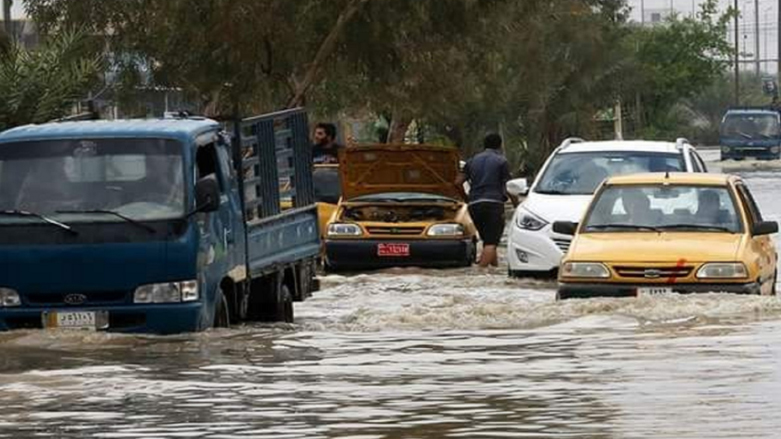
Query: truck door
{"points": [[234, 213], [214, 226]]}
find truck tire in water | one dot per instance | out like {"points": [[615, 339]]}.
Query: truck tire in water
{"points": [[221, 313]]}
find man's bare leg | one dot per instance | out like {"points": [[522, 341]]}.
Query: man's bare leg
{"points": [[488, 256]]}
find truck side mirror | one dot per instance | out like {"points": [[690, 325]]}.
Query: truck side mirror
{"points": [[565, 228], [518, 187], [766, 228], [207, 194]]}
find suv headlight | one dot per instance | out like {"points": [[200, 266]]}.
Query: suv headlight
{"points": [[446, 230], [344, 230], [587, 270], [9, 298], [529, 221], [722, 271], [169, 292]]}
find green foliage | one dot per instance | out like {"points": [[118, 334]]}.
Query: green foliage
{"points": [[41, 85]]}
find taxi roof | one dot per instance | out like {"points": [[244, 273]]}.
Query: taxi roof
{"points": [[674, 178], [622, 146]]}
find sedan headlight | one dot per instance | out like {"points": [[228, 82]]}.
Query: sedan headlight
{"points": [[344, 230], [590, 270], [722, 271], [9, 298], [446, 230], [169, 292], [529, 221]]}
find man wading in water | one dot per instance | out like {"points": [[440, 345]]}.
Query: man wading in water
{"points": [[488, 173]]}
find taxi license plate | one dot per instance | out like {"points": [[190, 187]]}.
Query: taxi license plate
{"points": [[393, 250], [83, 320], [654, 291]]}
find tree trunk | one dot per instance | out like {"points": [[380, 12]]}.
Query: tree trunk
{"points": [[398, 130], [325, 51]]}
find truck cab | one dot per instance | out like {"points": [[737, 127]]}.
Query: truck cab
{"points": [[144, 226], [751, 132]]}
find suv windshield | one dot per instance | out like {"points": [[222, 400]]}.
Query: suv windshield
{"points": [[582, 173], [141, 179], [751, 126], [664, 208]]}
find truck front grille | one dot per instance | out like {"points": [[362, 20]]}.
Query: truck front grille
{"points": [[89, 298]]}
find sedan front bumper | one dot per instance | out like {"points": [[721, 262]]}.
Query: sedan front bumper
{"points": [[576, 291], [363, 254]]}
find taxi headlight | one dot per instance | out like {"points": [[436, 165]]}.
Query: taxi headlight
{"points": [[446, 230], [720, 270], [169, 292], [589, 270], [339, 229], [9, 298]]}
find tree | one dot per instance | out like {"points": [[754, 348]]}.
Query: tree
{"points": [[43, 84]]}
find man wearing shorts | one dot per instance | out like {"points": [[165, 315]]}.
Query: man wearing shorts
{"points": [[488, 173]]}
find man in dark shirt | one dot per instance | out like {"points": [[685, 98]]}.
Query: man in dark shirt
{"points": [[325, 148], [488, 173]]}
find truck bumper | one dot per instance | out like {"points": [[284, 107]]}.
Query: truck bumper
{"points": [[761, 153], [363, 254], [156, 319], [575, 291]]}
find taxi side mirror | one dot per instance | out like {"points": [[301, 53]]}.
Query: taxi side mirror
{"points": [[518, 187], [766, 228], [565, 228]]}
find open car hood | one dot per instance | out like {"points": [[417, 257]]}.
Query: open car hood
{"points": [[375, 169]]}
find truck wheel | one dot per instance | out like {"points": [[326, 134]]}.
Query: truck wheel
{"points": [[221, 313], [306, 281], [283, 308]]}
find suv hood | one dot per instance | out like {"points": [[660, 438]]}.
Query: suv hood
{"points": [[374, 169], [552, 208]]}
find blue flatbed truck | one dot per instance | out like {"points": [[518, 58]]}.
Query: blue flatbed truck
{"points": [[161, 226], [751, 132]]}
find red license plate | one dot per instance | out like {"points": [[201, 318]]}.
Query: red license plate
{"points": [[393, 250]]}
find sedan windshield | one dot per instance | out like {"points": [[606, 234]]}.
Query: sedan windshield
{"points": [[660, 208], [582, 173], [141, 179]]}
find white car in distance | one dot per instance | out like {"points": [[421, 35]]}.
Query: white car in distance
{"points": [[563, 189]]}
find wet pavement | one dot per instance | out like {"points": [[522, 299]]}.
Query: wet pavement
{"points": [[422, 354]]}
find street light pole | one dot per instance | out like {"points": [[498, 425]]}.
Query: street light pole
{"points": [[757, 65], [737, 54], [9, 26]]}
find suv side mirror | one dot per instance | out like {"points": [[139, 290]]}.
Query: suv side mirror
{"points": [[766, 228], [565, 228], [518, 187], [207, 194]]}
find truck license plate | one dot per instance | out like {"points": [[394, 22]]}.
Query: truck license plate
{"points": [[393, 250], [85, 320], [654, 291]]}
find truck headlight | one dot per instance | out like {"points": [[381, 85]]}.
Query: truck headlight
{"points": [[339, 229], [775, 150], [589, 270], [446, 230], [529, 221], [726, 149], [722, 271], [9, 298], [169, 292]]}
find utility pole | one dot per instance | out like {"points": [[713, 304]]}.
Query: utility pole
{"points": [[9, 24], [757, 65], [778, 55], [642, 12], [737, 54]]}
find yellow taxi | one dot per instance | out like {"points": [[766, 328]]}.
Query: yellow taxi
{"points": [[400, 207], [656, 234]]}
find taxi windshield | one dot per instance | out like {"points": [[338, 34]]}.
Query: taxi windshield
{"points": [[656, 208]]}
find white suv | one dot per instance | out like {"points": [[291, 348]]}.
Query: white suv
{"points": [[564, 187]]}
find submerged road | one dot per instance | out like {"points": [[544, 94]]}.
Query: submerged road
{"points": [[422, 354]]}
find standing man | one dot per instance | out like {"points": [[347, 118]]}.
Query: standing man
{"points": [[488, 173], [325, 148]]}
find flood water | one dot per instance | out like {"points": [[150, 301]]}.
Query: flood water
{"points": [[421, 354]]}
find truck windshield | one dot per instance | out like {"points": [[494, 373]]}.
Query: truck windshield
{"points": [[664, 208], [581, 173], [751, 127], [141, 179]]}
